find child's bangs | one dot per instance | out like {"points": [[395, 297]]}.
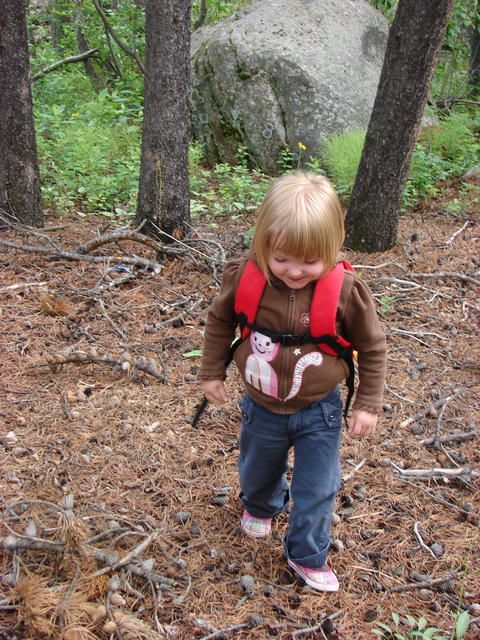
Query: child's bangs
{"points": [[299, 240]]}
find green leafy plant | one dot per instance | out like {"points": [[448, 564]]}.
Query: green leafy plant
{"points": [[385, 304], [410, 628], [443, 151], [195, 353], [341, 155], [418, 629], [286, 160]]}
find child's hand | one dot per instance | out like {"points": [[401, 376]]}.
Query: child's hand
{"points": [[214, 391], [362, 423]]}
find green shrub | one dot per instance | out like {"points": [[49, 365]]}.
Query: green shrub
{"points": [[341, 155], [411, 629], [443, 151]]}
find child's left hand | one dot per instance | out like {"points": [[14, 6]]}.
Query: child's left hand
{"points": [[362, 423]]}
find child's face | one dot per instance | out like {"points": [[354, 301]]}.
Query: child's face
{"points": [[295, 273]]}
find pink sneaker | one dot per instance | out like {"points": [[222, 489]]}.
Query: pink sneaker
{"points": [[321, 580], [256, 527]]}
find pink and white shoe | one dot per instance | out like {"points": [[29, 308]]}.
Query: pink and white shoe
{"points": [[319, 579], [256, 527]]}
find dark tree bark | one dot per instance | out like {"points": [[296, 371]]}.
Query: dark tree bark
{"points": [[202, 15], [474, 62], [412, 48], [19, 173], [95, 77], [163, 198]]}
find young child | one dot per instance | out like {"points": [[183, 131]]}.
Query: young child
{"points": [[291, 398]]}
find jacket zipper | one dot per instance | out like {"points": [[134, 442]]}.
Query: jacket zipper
{"points": [[286, 360]]}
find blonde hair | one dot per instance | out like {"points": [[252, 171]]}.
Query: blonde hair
{"points": [[300, 215]]}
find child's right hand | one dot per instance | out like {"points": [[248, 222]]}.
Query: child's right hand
{"points": [[214, 391]]}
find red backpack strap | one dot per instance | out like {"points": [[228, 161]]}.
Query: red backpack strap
{"points": [[249, 292], [325, 303]]}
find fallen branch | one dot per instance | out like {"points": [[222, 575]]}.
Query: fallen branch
{"points": [[452, 437], [73, 255], [432, 473], [91, 53], [427, 410], [22, 285], [222, 632], [434, 497], [317, 627], [447, 274], [127, 234], [422, 585], [146, 366]]}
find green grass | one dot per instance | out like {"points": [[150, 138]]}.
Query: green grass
{"points": [[340, 156]]}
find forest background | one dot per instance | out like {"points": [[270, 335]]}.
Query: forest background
{"points": [[89, 139], [102, 464]]}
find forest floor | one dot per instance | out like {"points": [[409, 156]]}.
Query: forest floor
{"points": [[120, 520]]}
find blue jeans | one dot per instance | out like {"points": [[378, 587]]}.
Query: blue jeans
{"points": [[314, 432]]}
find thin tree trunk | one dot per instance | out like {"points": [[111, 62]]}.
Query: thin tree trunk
{"points": [[474, 62], [412, 48], [96, 78], [19, 173], [163, 198]]}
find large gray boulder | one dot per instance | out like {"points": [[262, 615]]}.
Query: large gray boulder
{"points": [[282, 72]]}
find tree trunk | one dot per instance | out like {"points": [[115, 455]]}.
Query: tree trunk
{"points": [[474, 62], [19, 173], [412, 47], [96, 78], [163, 198]]}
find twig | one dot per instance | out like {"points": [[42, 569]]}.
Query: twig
{"points": [[164, 233], [21, 285], [436, 442], [72, 255], [221, 632], [434, 405], [134, 553], [317, 627], [357, 467], [451, 437], [16, 542], [418, 334], [422, 585], [378, 266], [125, 234], [110, 321], [428, 473], [420, 540], [85, 357], [449, 242], [434, 497], [155, 605], [447, 274]]}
